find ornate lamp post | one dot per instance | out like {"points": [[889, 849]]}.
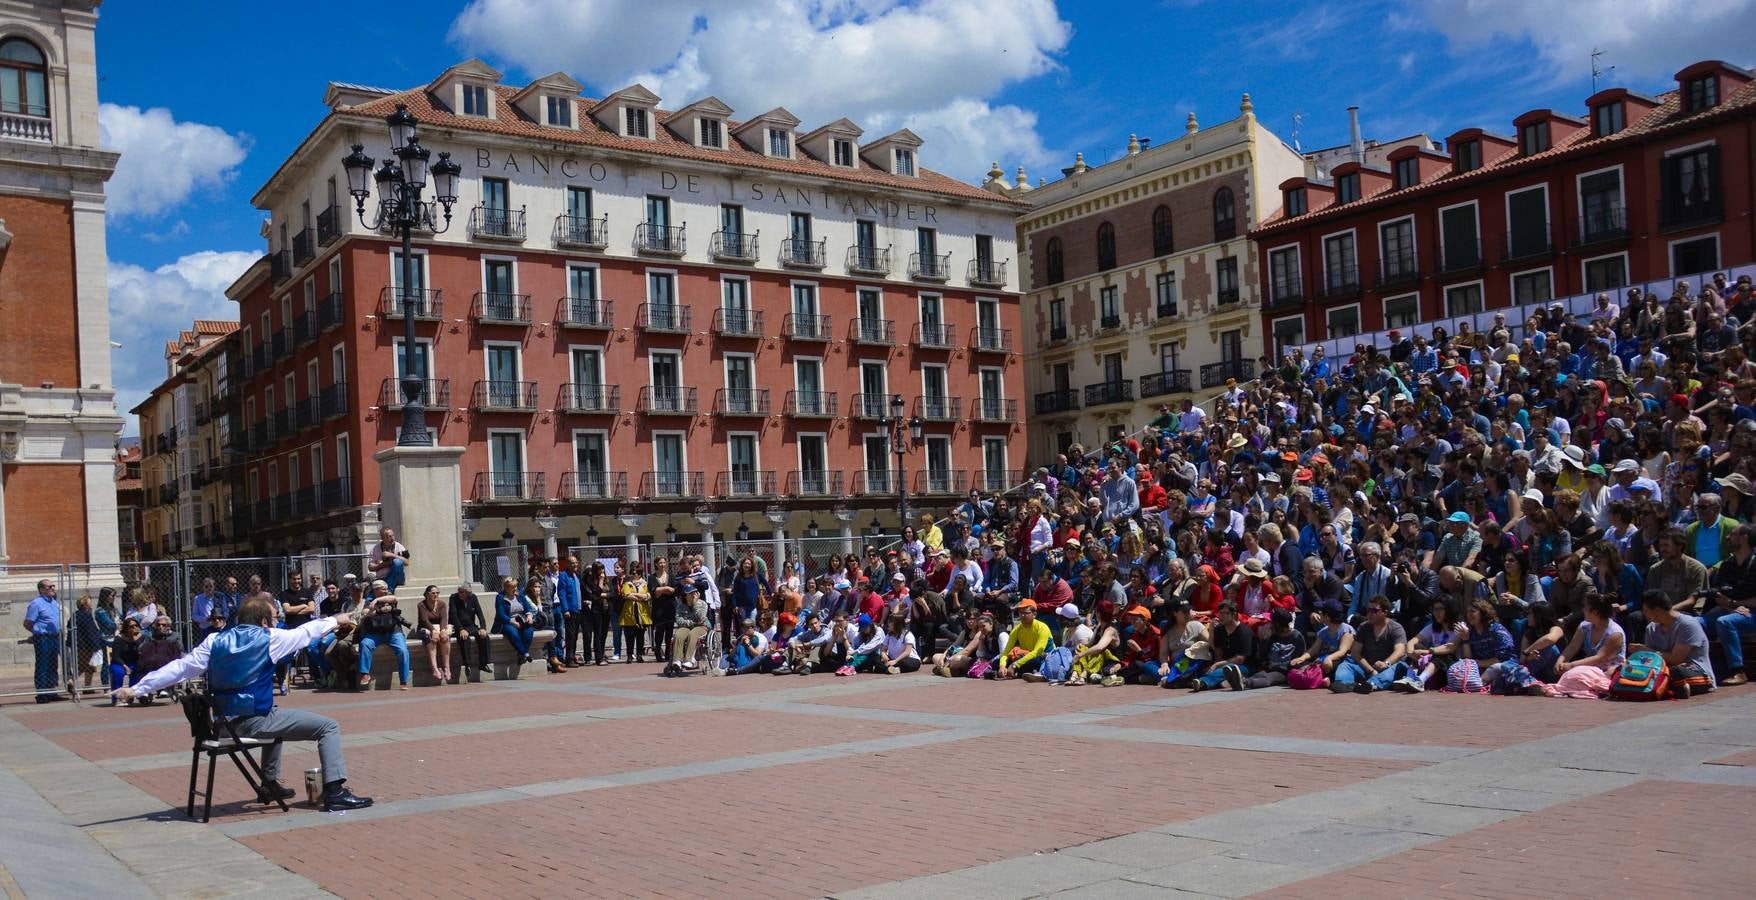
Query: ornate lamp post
{"points": [[400, 207], [894, 423]]}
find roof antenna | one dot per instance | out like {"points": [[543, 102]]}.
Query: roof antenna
{"points": [[1298, 119], [1598, 71]]}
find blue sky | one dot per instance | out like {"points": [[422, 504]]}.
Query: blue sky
{"points": [[206, 99]]}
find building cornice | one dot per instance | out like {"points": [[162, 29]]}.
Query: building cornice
{"points": [[1200, 168]]}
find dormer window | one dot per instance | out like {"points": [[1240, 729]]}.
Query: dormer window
{"points": [[712, 133], [475, 100], [1533, 138], [905, 161], [1407, 173], [780, 143], [1607, 119], [1347, 188], [1467, 155], [1700, 93], [560, 112], [634, 122], [844, 154], [1295, 202]]}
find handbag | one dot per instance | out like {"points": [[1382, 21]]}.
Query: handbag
{"points": [[1305, 678], [1464, 677], [979, 669]]}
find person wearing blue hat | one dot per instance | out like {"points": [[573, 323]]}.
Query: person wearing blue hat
{"points": [[1461, 544]]}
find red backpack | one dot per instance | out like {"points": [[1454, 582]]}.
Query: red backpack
{"points": [[1643, 677]]}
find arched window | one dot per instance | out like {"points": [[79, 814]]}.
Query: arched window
{"points": [[1053, 254], [1161, 231], [24, 79], [1106, 246], [1225, 215]]}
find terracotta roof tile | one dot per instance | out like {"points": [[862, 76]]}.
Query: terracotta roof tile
{"points": [[215, 326], [509, 121], [1667, 116]]}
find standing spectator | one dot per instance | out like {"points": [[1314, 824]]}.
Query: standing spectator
{"points": [[42, 619]]}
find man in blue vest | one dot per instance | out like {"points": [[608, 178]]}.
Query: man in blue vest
{"points": [[239, 664]]}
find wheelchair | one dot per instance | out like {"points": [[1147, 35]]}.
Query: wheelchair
{"points": [[709, 655]]}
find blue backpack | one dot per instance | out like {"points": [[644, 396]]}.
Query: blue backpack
{"points": [[1057, 664], [1643, 677]]}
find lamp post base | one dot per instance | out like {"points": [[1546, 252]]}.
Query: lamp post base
{"points": [[423, 501]]}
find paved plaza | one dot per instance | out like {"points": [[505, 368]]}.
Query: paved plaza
{"points": [[613, 782]]}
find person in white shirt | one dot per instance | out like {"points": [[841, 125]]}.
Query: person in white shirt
{"points": [[1192, 417], [897, 655]]}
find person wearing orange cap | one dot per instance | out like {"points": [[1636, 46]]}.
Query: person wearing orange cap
{"points": [[1025, 644], [1140, 645]]}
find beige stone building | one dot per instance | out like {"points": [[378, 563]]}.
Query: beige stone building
{"points": [[186, 478], [1140, 287]]}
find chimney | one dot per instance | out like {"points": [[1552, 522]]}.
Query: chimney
{"points": [[1354, 143]]}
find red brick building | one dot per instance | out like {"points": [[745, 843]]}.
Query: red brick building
{"points": [[635, 311], [1639, 189]]}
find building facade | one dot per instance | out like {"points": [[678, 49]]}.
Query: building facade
{"points": [[1141, 287], [1638, 190], [187, 474], [130, 503], [58, 419], [667, 317]]}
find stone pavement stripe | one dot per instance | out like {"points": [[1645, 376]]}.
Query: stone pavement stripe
{"points": [[173, 857], [45, 855], [1709, 773], [322, 707], [1249, 850]]}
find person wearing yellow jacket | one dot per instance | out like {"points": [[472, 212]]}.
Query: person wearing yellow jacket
{"points": [[930, 535], [1027, 643]]}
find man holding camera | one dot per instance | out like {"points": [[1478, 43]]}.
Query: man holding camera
{"points": [[239, 664], [382, 623]]}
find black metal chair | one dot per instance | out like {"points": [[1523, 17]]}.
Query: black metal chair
{"points": [[214, 736]]}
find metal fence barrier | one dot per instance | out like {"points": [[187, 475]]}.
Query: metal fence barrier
{"points": [[487, 565]]}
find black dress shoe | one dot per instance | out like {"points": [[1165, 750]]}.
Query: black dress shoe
{"points": [[272, 790], [342, 798]]}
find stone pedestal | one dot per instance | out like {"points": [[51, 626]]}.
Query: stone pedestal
{"points": [[423, 503]]}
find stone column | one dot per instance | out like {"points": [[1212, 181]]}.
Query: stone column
{"points": [[423, 501], [632, 522], [709, 540], [550, 526], [778, 518], [846, 518]]}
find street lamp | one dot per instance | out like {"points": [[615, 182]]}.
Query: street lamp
{"points": [[811, 529], [400, 184], [894, 423], [743, 531], [670, 534]]}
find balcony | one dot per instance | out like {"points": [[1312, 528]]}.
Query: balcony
{"points": [[806, 327], [310, 412], [304, 329], [487, 223], [871, 406], [995, 409], [594, 485], [929, 266], [582, 232], [1057, 333], [868, 261], [987, 273], [500, 308], [732, 246], [744, 485], [1109, 392], [261, 434], [737, 323], [329, 224], [203, 412], [802, 253], [873, 332], [672, 485], [1049, 402], [585, 312], [669, 318], [282, 344], [37, 129], [330, 311], [659, 240], [335, 400], [875, 481], [1159, 384], [1460, 256], [435, 394], [1227, 296], [1602, 227], [996, 481], [1110, 320], [934, 335], [1398, 270], [337, 493], [582, 398], [502, 487], [304, 247], [811, 404], [308, 500], [991, 340], [286, 422], [938, 408], [1676, 211], [1285, 293], [1522, 249], [741, 402], [167, 440], [941, 482], [1215, 374], [506, 396], [1341, 283], [428, 303], [813, 483], [280, 266], [667, 401]]}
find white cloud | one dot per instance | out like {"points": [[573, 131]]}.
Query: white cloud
{"points": [[164, 161], [1644, 39], [151, 306], [880, 63]]}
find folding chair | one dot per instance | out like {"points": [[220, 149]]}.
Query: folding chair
{"points": [[214, 735]]}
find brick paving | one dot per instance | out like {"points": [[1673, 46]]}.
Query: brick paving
{"points": [[612, 782]]}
